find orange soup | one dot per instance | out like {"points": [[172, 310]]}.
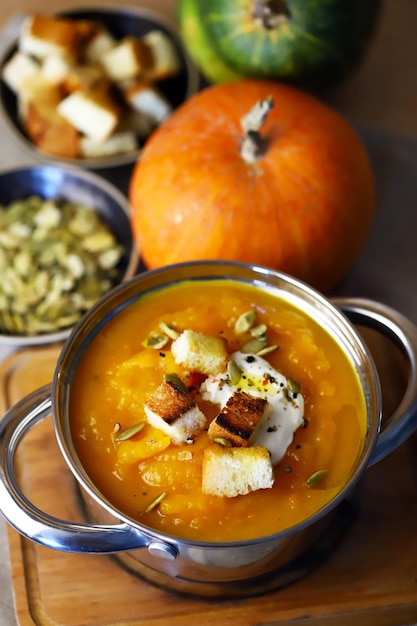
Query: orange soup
{"points": [[158, 482]]}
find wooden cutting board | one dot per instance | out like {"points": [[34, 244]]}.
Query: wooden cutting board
{"points": [[370, 579]]}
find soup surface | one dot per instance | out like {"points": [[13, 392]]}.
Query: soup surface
{"points": [[159, 483]]}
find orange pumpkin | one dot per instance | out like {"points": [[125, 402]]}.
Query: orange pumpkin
{"points": [[289, 186]]}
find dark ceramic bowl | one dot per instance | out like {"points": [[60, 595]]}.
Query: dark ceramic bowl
{"points": [[120, 22], [81, 187]]}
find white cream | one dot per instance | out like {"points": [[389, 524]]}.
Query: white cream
{"points": [[284, 411]]}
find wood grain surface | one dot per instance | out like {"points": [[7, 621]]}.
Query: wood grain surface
{"points": [[369, 580]]}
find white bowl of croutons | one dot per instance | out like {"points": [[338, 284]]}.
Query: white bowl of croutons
{"points": [[89, 86], [65, 241]]}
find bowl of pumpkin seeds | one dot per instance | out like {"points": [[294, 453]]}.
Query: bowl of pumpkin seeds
{"points": [[65, 241]]}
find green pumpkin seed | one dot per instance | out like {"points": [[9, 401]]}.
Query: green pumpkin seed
{"points": [[128, 433], [98, 242], [222, 442], [156, 342], [267, 350], [234, 372], [169, 331], [175, 380], [316, 478], [254, 345], [245, 321], [293, 385], [259, 331]]}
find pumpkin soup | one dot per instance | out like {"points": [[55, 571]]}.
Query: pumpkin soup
{"points": [[216, 411]]}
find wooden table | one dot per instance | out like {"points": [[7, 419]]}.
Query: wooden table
{"points": [[382, 94]]}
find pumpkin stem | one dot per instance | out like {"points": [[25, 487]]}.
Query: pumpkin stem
{"points": [[253, 144], [270, 13]]}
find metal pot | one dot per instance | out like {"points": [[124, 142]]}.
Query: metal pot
{"points": [[214, 569]]}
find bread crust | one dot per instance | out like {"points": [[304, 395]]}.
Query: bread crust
{"points": [[175, 412], [238, 419]]}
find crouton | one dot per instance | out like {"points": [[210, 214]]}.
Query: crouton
{"points": [[36, 88], [238, 419], [99, 44], [118, 143], [148, 100], [55, 69], [166, 62], [86, 77], [174, 411], [229, 472], [18, 70], [129, 58], [93, 113], [46, 128], [200, 353], [50, 132], [41, 36]]}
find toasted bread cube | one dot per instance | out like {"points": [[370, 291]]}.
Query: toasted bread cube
{"points": [[86, 78], [238, 419], [148, 100], [99, 44], [118, 143], [18, 70], [166, 61], [49, 132], [229, 472], [86, 31], [199, 352], [129, 58], [36, 88], [174, 411], [92, 113], [41, 36], [55, 69]]}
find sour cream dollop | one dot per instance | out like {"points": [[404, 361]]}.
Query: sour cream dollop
{"points": [[284, 411]]}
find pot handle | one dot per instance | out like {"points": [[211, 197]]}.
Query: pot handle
{"points": [[30, 521], [403, 333]]}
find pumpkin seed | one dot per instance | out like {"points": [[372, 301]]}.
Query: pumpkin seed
{"points": [[259, 331], [254, 345], [245, 321], [156, 341], [175, 380], [155, 502], [52, 251], [98, 242], [316, 478], [123, 435], [293, 385], [222, 442], [267, 350], [169, 331], [234, 372]]}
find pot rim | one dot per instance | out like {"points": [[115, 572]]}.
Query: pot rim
{"points": [[116, 301]]}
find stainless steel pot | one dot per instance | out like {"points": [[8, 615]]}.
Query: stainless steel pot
{"points": [[213, 569]]}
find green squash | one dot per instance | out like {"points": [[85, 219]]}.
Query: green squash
{"points": [[309, 43]]}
